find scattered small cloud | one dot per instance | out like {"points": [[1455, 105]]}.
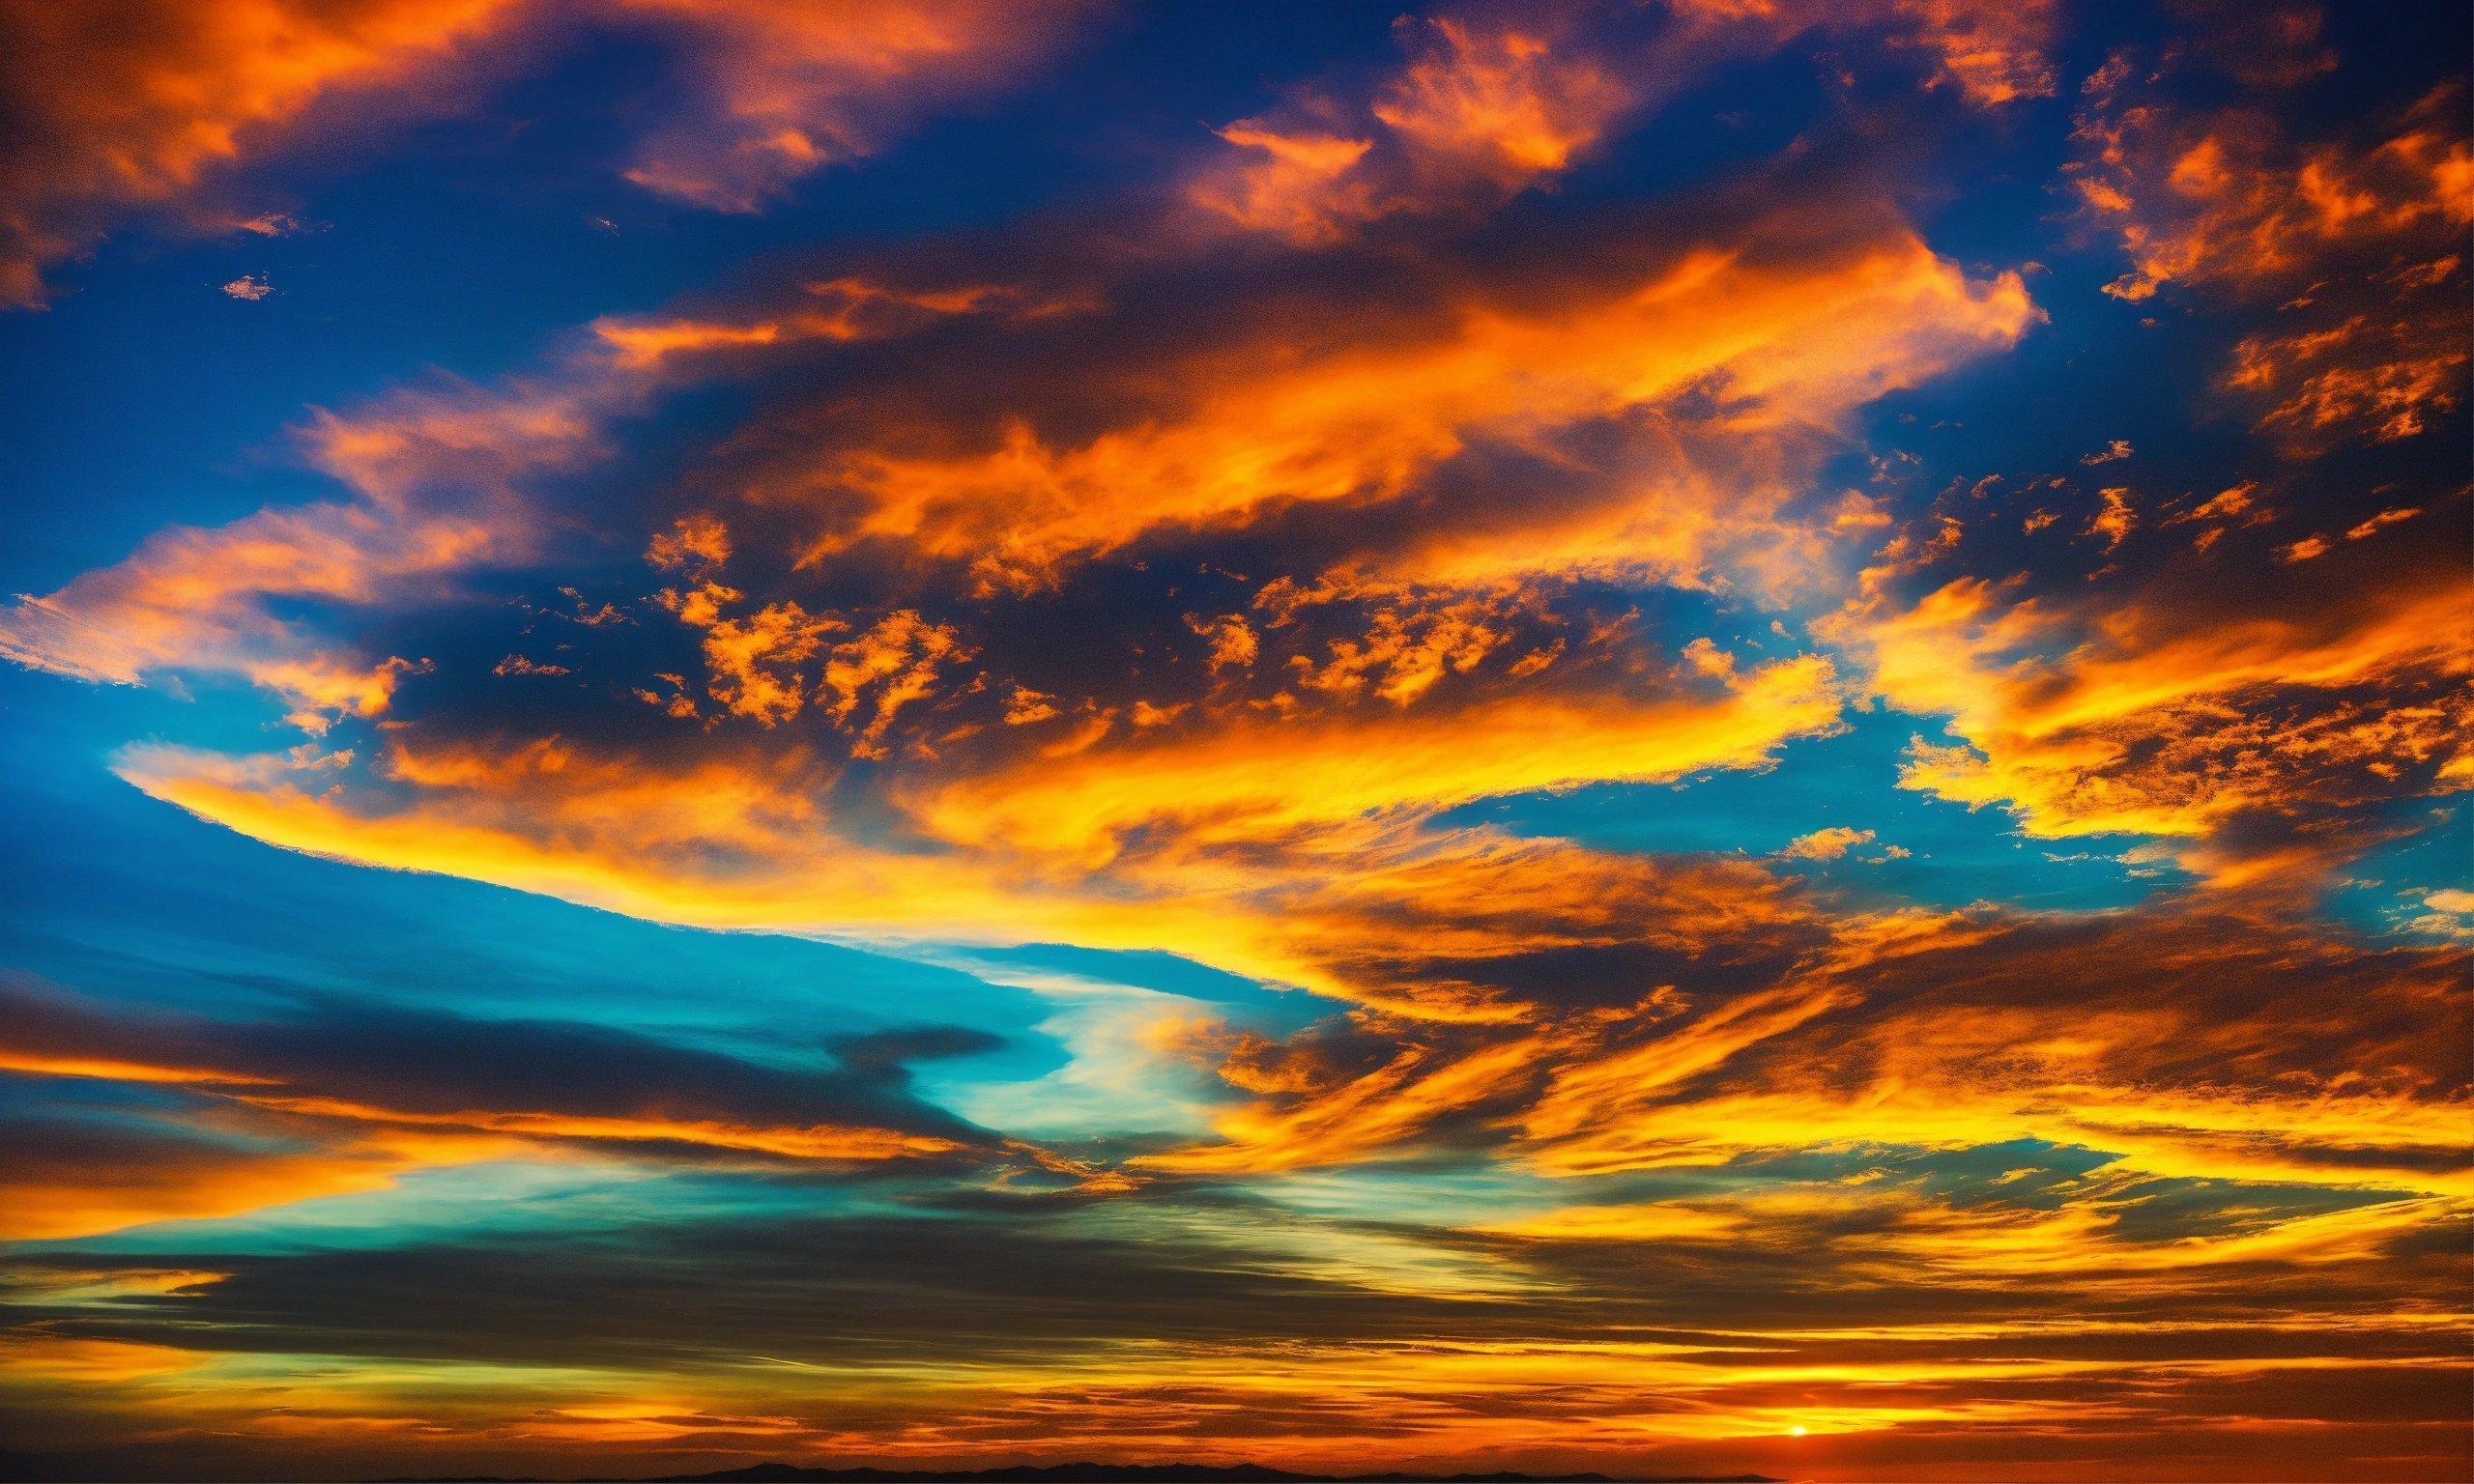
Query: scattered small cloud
{"points": [[1827, 844], [2383, 518], [518, 665], [2115, 521], [2446, 913]]}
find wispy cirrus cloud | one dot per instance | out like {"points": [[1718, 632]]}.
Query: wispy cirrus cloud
{"points": [[164, 109]]}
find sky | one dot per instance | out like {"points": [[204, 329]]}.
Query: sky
{"points": [[1698, 734]]}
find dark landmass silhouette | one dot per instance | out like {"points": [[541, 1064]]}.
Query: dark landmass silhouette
{"points": [[1167, 1473], [1106, 1473]]}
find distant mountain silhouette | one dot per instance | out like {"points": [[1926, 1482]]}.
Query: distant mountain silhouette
{"points": [[1116, 1474], [1159, 1473]]}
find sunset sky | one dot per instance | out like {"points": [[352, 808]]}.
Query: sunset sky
{"points": [[1699, 734]]}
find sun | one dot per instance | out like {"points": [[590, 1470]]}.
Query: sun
{"points": [[1797, 1431]]}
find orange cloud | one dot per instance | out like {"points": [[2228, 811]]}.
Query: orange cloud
{"points": [[159, 105], [829, 1143], [755, 660], [1954, 1032], [1381, 1111], [135, 109], [2362, 245], [435, 480], [1305, 185], [2386, 378], [1231, 869], [1485, 107], [1992, 52], [1961, 1050], [2179, 702], [1482, 109], [795, 85], [194, 1180], [1407, 651], [1827, 844], [1497, 104], [1267, 426], [2230, 197], [1220, 784], [837, 310]]}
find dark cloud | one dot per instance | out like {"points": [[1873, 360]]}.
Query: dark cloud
{"points": [[365, 1059]]}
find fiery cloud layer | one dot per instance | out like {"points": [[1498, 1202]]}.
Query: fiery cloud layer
{"points": [[1490, 759]]}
